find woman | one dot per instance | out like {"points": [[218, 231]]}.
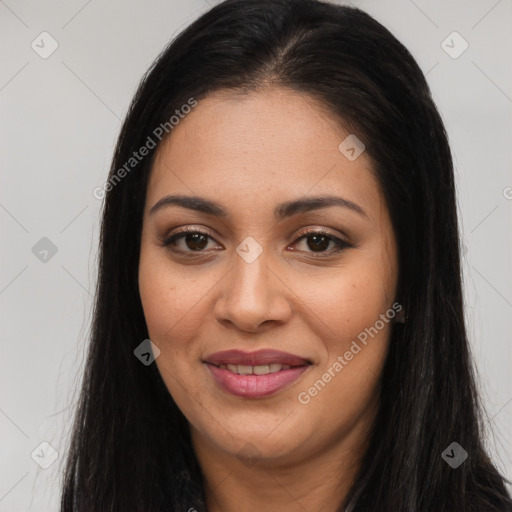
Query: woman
{"points": [[279, 319]]}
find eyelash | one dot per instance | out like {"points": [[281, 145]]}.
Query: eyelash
{"points": [[341, 244]]}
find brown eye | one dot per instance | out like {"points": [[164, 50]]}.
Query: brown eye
{"points": [[318, 242], [193, 241], [196, 241]]}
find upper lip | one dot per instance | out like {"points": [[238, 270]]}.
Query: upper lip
{"points": [[258, 358]]}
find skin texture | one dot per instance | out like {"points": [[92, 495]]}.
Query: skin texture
{"points": [[250, 153]]}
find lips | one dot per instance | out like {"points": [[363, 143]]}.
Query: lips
{"points": [[259, 358], [255, 374]]}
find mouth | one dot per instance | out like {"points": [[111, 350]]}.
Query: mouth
{"points": [[261, 369], [255, 374]]}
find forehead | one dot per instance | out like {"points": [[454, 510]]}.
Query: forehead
{"points": [[260, 146]]}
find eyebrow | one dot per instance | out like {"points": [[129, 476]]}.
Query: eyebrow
{"points": [[283, 210]]}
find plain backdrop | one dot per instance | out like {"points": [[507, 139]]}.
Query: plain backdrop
{"points": [[60, 117]]}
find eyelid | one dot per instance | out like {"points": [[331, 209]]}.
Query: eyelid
{"points": [[187, 229], [323, 231]]}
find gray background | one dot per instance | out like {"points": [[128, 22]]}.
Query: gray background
{"points": [[60, 119]]}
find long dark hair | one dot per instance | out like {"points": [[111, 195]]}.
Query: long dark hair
{"points": [[130, 448]]}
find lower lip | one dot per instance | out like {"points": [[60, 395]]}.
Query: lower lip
{"points": [[255, 386]]}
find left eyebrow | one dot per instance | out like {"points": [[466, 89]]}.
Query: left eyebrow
{"points": [[289, 208], [283, 210]]}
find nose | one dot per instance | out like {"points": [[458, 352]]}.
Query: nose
{"points": [[253, 296]]}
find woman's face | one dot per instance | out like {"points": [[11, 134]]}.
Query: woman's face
{"points": [[250, 281]]}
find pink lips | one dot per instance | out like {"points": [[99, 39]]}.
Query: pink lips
{"points": [[255, 386]]}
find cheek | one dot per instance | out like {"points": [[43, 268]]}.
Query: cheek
{"points": [[170, 297], [353, 316], [158, 296], [344, 387], [172, 304], [348, 301]]}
